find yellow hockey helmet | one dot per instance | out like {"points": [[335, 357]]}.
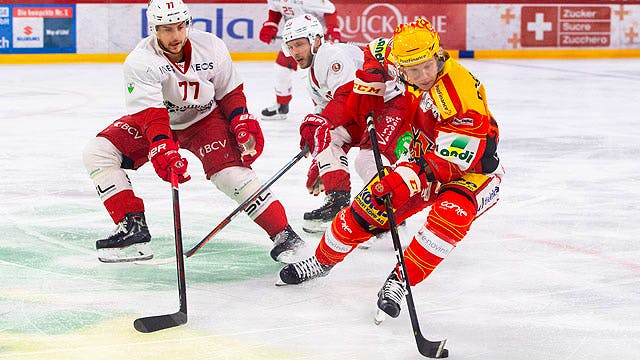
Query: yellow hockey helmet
{"points": [[414, 43]]}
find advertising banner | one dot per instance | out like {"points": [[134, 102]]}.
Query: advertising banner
{"points": [[364, 22], [553, 26], [26, 29]]}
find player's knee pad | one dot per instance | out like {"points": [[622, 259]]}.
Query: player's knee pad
{"points": [[365, 164], [451, 216], [101, 153], [103, 163], [239, 183]]}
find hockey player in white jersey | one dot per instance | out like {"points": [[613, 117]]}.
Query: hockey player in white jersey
{"points": [[285, 66], [334, 128], [181, 91]]}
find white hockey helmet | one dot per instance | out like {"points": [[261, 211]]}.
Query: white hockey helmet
{"points": [[163, 12], [304, 26]]}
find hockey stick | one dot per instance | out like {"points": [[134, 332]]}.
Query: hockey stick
{"points": [[247, 202], [159, 322], [428, 348]]}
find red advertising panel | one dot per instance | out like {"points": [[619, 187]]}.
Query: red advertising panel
{"points": [[363, 22], [571, 26]]}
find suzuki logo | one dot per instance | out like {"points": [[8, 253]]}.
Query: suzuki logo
{"points": [[28, 30]]}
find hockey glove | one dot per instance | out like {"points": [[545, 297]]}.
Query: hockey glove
{"points": [[314, 182], [165, 158], [268, 32], [314, 131], [249, 137], [368, 94], [402, 183]]}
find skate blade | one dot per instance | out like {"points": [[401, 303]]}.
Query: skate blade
{"points": [[315, 226], [379, 317], [277, 117], [135, 252], [279, 282]]}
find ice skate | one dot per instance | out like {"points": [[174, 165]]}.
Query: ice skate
{"points": [[316, 221], [302, 271], [275, 112], [129, 241], [285, 245], [390, 297]]}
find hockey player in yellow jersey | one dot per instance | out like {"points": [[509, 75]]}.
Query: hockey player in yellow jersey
{"points": [[453, 165]]}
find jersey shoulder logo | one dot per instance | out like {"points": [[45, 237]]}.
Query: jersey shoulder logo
{"points": [[336, 67], [442, 100]]}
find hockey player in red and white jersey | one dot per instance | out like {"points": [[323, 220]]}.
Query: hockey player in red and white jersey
{"points": [[453, 167], [333, 129], [285, 66], [181, 91]]}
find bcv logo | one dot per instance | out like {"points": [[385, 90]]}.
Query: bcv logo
{"points": [[239, 28]]}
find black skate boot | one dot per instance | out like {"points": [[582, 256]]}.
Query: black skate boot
{"points": [[275, 112], [391, 295], [129, 242], [302, 271], [317, 220], [285, 245]]}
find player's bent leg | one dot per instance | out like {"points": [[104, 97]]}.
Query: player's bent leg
{"points": [[447, 223], [130, 239], [336, 243], [239, 183]]}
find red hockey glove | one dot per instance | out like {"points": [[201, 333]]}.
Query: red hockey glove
{"points": [[402, 183], [249, 137], [314, 182], [333, 35], [368, 93], [314, 131], [268, 32], [165, 158]]}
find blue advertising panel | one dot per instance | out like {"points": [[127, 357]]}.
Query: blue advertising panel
{"points": [[31, 29]]}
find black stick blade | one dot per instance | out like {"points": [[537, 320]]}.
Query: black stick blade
{"points": [[160, 322], [432, 349]]}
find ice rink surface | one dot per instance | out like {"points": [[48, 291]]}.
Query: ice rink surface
{"points": [[551, 272]]}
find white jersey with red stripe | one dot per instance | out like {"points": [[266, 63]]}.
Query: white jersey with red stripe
{"points": [[188, 90], [291, 9], [334, 65]]}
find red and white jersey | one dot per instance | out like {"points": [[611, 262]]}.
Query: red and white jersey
{"points": [[334, 65], [290, 9], [188, 90]]}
